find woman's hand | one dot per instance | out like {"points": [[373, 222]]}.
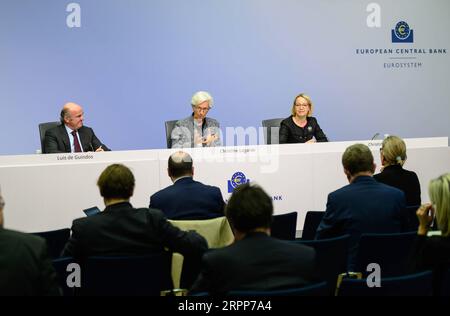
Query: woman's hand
{"points": [[425, 214]]}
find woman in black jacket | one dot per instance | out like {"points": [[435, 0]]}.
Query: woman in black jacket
{"points": [[301, 127]]}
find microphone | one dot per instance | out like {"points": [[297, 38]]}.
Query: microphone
{"points": [[92, 147], [374, 136], [309, 129]]}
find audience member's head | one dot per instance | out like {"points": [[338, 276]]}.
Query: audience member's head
{"points": [[439, 191], [116, 183], [357, 160], [249, 209], [72, 115], [2, 205], [180, 165], [393, 151]]}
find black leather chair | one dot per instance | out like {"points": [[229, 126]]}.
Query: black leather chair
{"points": [[391, 251], [269, 126], [418, 284], [284, 226], [127, 275], [43, 127], [60, 266], [312, 221], [169, 127], [56, 240], [331, 258]]}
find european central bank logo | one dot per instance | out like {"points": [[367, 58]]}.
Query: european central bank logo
{"points": [[402, 33], [237, 179]]}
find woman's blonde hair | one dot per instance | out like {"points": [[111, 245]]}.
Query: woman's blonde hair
{"points": [[439, 192], [394, 150], [308, 99]]}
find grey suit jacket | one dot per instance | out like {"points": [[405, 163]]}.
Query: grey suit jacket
{"points": [[183, 132]]}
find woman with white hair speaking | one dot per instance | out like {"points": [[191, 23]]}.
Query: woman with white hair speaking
{"points": [[197, 130]]}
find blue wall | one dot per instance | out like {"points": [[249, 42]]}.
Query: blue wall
{"points": [[134, 64]]}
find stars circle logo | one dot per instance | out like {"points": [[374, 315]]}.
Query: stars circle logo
{"points": [[237, 179], [402, 30]]}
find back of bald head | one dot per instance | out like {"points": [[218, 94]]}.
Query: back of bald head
{"points": [[180, 164]]}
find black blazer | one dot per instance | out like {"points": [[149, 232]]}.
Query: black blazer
{"points": [[25, 267], [291, 133], [189, 199], [57, 140], [123, 230], [257, 262], [402, 179]]}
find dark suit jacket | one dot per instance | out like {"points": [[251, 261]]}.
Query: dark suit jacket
{"points": [[25, 267], [291, 133], [189, 199], [123, 230], [57, 140], [402, 179], [364, 206], [257, 262]]}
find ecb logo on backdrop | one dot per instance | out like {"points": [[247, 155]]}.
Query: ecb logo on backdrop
{"points": [[237, 179], [402, 33]]}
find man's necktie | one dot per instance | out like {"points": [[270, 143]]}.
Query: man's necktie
{"points": [[76, 143]]}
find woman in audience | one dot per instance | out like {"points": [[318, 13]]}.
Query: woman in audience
{"points": [[301, 127], [393, 157], [434, 252]]}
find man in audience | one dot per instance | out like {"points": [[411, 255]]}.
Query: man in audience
{"points": [[255, 261], [363, 206], [71, 136], [186, 198], [25, 267], [123, 230]]}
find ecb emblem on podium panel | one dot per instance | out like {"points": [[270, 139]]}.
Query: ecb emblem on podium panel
{"points": [[237, 179]]}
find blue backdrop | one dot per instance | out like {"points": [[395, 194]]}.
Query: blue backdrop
{"points": [[133, 64]]}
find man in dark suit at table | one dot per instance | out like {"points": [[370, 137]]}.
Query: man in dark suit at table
{"points": [[187, 199], [364, 205], [71, 136], [255, 261], [25, 266]]}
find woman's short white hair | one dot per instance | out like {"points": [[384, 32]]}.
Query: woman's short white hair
{"points": [[200, 97]]}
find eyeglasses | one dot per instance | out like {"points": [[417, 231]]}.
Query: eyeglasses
{"points": [[202, 109]]}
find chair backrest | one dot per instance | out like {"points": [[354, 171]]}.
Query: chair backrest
{"points": [[312, 221], [56, 240], [217, 231], [412, 222], [269, 137], [418, 284], [43, 127], [284, 226], [318, 289], [60, 266], [445, 287], [218, 234], [331, 258], [127, 275], [390, 251], [169, 127]]}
